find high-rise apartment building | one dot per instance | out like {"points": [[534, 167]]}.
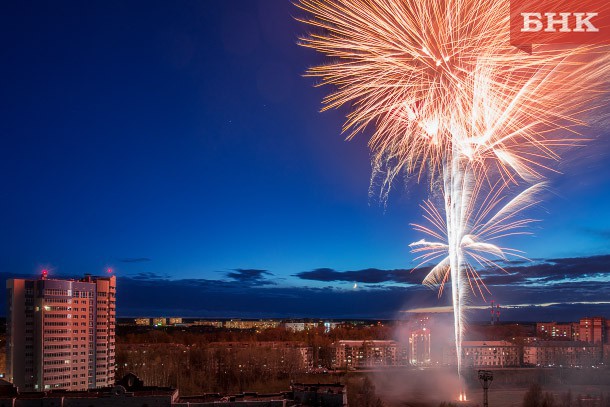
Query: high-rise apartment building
{"points": [[61, 333], [593, 330]]}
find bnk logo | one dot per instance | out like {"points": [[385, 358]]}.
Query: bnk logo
{"points": [[533, 22], [559, 22]]}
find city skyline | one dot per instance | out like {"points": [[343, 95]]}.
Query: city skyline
{"points": [[185, 151], [527, 293]]}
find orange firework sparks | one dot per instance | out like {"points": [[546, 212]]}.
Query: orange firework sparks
{"points": [[437, 74], [448, 96]]}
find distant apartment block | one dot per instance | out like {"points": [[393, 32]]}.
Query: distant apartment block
{"points": [[593, 330], [562, 353], [484, 354], [159, 321], [142, 321], [175, 321], [419, 344], [300, 326], [569, 331], [249, 324], [61, 333], [360, 354], [215, 324]]}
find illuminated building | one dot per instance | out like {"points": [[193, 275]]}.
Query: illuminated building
{"points": [[484, 353], [557, 331], [160, 321], [142, 321], [248, 324], [356, 354], [419, 342], [61, 333], [300, 326], [593, 330], [215, 324], [175, 321], [561, 353]]}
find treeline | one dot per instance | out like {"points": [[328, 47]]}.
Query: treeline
{"points": [[228, 361], [203, 369], [196, 370], [190, 336]]}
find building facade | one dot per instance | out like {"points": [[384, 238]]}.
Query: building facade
{"points": [[360, 354], [61, 333], [300, 326], [593, 330], [569, 331], [484, 354], [142, 321], [214, 324], [562, 353], [419, 343], [251, 324]]}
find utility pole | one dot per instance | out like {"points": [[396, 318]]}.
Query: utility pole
{"points": [[485, 377]]}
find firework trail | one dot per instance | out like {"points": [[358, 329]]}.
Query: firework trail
{"points": [[452, 101]]}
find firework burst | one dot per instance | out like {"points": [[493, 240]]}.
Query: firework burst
{"points": [[452, 101]]}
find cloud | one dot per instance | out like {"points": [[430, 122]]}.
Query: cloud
{"points": [[554, 272], [553, 289], [147, 275], [366, 276], [250, 276], [135, 260], [518, 272]]}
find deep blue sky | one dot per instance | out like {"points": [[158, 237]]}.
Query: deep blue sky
{"points": [[179, 141]]}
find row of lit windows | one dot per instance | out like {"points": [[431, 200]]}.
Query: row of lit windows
{"points": [[54, 291]]}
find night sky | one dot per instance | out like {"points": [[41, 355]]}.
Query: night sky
{"points": [[180, 144]]}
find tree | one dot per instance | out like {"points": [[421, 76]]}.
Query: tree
{"points": [[548, 400], [533, 396]]}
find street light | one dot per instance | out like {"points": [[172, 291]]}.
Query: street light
{"points": [[485, 377]]}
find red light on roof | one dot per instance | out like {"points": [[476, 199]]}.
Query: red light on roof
{"points": [[45, 272], [109, 270]]}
